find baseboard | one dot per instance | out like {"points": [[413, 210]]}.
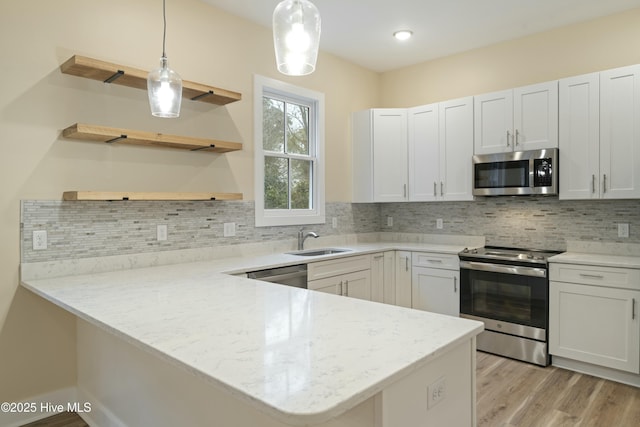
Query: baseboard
{"points": [[38, 407], [597, 371], [100, 415]]}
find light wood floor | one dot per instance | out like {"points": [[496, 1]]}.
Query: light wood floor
{"points": [[512, 393], [64, 419]]}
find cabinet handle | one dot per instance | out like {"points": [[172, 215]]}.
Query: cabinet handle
{"points": [[593, 183], [378, 256], [435, 189], [340, 288], [346, 288], [455, 285], [439, 261], [441, 188], [516, 139], [592, 276], [404, 191], [406, 263], [633, 308], [508, 135], [604, 183]]}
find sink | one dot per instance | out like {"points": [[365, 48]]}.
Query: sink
{"points": [[316, 252]]}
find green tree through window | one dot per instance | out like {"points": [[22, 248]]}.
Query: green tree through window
{"points": [[288, 154]]}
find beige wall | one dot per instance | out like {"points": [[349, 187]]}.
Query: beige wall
{"points": [[608, 42], [37, 352], [37, 340]]}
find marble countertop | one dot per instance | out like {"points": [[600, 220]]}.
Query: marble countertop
{"points": [[597, 259], [302, 356]]}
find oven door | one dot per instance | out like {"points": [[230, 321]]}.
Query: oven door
{"points": [[517, 295]]}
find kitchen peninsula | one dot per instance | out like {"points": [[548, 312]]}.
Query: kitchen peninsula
{"points": [[187, 344]]}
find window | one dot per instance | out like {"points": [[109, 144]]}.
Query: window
{"points": [[289, 161]]}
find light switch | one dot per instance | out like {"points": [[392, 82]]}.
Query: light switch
{"points": [[623, 230], [229, 229]]}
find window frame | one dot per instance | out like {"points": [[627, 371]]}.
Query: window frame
{"points": [[282, 217]]}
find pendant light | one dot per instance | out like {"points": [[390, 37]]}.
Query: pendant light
{"points": [[296, 36], [164, 86]]}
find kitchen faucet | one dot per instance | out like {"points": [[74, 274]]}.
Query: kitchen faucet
{"points": [[302, 237]]}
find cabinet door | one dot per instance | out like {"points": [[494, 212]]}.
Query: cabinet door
{"points": [[403, 278], [535, 116], [357, 285], [493, 122], [390, 155], [383, 281], [456, 149], [331, 285], [594, 324], [377, 277], [424, 155], [436, 290], [579, 137], [620, 132]]}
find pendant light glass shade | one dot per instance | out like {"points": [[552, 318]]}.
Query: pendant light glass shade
{"points": [[296, 36], [164, 87]]}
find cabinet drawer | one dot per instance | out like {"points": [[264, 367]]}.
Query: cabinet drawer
{"points": [[613, 277], [335, 267], [435, 260]]}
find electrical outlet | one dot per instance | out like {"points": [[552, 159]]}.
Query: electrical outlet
{"points": [[439, 224], [39, 240], [229, 229], [334, 222], [436, 392], [389, 221], [161, 232], [623, 230]]}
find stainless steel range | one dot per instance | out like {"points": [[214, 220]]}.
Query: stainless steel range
{"points": [[508, 290]]}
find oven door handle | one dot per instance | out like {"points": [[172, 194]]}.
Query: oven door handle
{"points": [[505, 269]]}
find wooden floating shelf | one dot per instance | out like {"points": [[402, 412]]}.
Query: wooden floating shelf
{"points": [[107, 72], [97, 133], [157, 196]]}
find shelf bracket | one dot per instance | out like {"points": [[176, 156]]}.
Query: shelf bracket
{"points": [[202, 95], [114, 77], [117, 138], [204, 148]]}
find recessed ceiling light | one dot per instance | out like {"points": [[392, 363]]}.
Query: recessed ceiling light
{"points": [[403, 34]]}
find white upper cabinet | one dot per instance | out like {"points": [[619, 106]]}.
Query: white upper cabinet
{"points": [[620, 133], [579, 134], [380, 155], [600, 135], [424, 153], [440, 151], [520, 119], [456, 149]]}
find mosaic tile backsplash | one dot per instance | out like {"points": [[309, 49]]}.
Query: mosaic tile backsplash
{"points": [[94, 229]]}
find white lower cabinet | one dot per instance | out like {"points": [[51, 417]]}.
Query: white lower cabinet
{"points": [[350, 276], [435, 283], [403, 279], [593, 315], [383, 281]]}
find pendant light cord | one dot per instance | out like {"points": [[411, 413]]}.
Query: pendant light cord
{"points": [[164, 29]]}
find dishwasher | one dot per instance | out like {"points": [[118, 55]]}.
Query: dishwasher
{"points": [[292, 275]]}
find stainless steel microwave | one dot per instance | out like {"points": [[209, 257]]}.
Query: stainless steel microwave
{"points": [[520, 173]]}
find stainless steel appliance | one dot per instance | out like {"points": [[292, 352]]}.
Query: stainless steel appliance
{"points": [[292, 275], [508, 290], [518, 173]]}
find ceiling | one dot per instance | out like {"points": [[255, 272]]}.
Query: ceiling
{"points": [[361, 30]]}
